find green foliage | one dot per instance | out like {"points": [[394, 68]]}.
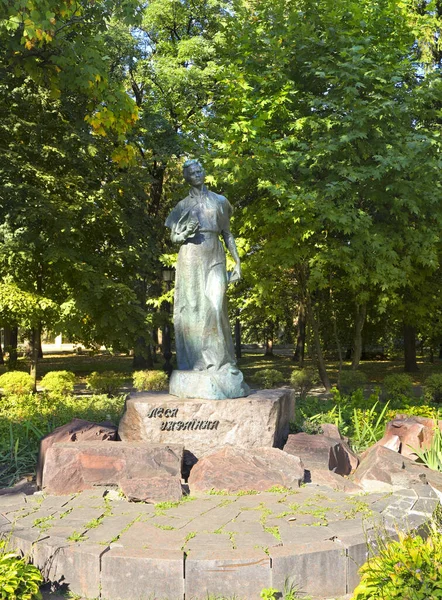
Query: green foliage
{"points": [[361, 419], [16, 383], [368, 426], [433, 388], [108, 382], [312, 426], [18, 579], [398, 385], [268, 378], [302, 381], [432, 456], [408, 569], [350, 381], [57, 383], [154, 381], [269, 594], [416, 410]]}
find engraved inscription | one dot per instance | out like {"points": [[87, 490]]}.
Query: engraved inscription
{"points": [[188, 425], [171, 413], [163, 412]]}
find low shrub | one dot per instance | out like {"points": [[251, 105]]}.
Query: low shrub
{"points": [[18, 579], [107, 382], [433, 388], [407, 569], [311, 427], [350, 381], [58, 383], [16, 382], [398, 385], [152, 381], [303, 380], [413, 410], [269, 378]]}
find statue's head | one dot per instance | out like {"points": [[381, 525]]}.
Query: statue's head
{"points": [[193, 172]]}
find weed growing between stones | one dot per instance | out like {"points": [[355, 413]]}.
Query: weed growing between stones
{"points": [[161, 507], [279, 489], [360, 508], [128, 526], [76, 536], [290, 593], [164, 527], [188, 537], [43, 523]]}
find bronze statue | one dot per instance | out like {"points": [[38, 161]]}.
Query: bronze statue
{"points": [[202, 329]]}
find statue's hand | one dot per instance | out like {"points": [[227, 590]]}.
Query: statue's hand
{"points": [[235, 275], [191, 228]]}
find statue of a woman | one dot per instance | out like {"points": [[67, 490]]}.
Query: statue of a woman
{"points": [[202, 329]]}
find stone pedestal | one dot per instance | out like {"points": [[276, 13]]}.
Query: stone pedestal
{"points": [[203, 426], [208, 385]]}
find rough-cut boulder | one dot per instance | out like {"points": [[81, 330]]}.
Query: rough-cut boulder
{"points": [[234, 469], [78, 430], [162, 488], [322, 452], [331, 431], [404, 433], [385, 470], [71, 468], [334, 481]]}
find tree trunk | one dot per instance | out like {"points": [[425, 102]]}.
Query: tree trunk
{"points": [[157, 172], [238, 351], [35, 346], [318, 350], [2, 360], [11, 341], [338, 346], [40, 349], [410, 349], [298, 355], [155, 345], [142, 355], [361, 312]]}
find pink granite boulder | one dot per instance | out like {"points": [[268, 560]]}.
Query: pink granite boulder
{"points": [[78, 430], [322, 452], [385, 470], [233, 469], [71, 468]]}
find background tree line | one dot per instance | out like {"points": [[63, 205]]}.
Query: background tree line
{"points": [[319, 120]]}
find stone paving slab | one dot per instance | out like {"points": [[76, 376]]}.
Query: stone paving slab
{"points": [[104, 547]]}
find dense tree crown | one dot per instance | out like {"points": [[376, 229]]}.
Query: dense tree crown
{"points": [[319, 120]]}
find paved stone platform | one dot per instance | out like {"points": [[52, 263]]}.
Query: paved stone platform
{"points": [[312, 539]]}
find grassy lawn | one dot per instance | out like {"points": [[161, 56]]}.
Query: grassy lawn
{"points": [[375, 370], [83, 364]]}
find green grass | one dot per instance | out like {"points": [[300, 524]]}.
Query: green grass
{"points": [[83, 364]]}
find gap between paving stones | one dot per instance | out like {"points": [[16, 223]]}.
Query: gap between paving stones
{"points": [[227, 545]]}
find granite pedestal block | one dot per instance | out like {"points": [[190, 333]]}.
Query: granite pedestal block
{"points": [[203, 426]]}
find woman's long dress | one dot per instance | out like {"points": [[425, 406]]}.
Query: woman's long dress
{"points": [[202, 330]]}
